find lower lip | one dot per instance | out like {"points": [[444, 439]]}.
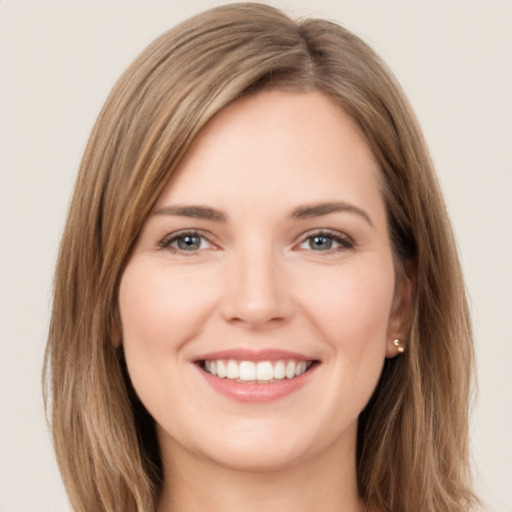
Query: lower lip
{"points": [[250, 392]]}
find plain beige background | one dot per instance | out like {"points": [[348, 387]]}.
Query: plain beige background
{"points": [[58, 61]]}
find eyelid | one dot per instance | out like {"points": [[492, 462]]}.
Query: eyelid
{"points": [[346, 242], [165, 243]]}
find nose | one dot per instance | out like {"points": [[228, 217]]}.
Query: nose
{"points": [[257, 293]]}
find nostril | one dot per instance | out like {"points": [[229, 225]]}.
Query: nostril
{"points": [[257, 322]]}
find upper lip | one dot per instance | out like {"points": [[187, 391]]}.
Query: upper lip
{"points": [[242, 354]]}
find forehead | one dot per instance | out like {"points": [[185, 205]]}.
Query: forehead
{"points": [[277, 148]]}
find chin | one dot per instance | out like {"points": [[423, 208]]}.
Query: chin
{"points": [[263, 458], [258, 445]]}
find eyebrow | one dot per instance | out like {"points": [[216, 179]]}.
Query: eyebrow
{"points": [[319, 209], [194, 211], [301, 212]]}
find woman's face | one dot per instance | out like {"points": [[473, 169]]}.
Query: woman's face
{"points": [[260, 302]]}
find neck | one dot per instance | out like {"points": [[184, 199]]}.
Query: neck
{"points": [[326, 482]]}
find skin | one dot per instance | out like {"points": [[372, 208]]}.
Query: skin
{"points": [[258, 281]]}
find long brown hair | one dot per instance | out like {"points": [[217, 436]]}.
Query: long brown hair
{"points": [[413, 435]]}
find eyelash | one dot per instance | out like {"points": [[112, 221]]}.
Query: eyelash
{"points": [[174, 237], [344, 241]]}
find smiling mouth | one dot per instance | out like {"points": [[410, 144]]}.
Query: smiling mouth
{"points": [[259, 372]]}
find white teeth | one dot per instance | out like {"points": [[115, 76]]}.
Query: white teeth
{"points": [[279, 370], [300, 368], [263, 371], [290, 370], [247, 370], [232, 370], [221, 369]]}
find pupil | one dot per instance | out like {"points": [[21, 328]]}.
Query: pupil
{"points": [[322, 242], [189, 242]]}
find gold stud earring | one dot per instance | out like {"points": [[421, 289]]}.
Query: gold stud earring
{"points": [[399, 347]]}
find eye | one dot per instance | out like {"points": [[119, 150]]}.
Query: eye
{"points": [[186, 241], [327, 241]]}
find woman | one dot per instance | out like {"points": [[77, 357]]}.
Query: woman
{"points": [[258, 302]]}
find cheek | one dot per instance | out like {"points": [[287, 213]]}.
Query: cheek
{"points": [[351, 313], [351, 307], [160, 308]]}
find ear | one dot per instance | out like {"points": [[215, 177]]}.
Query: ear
{"points": [[400, 317]]}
